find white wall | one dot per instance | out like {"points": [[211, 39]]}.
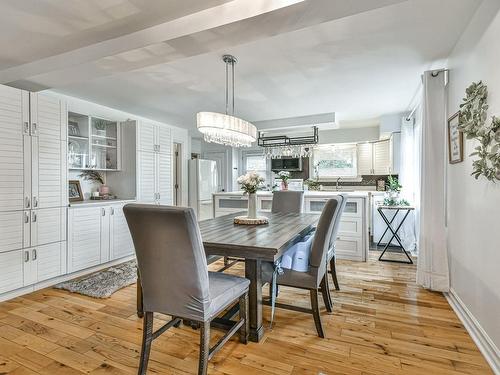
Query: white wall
{"points": [[349, 135], [474, 206]]}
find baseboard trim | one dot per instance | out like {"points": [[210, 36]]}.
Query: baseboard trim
{"points": [[478, 334]]}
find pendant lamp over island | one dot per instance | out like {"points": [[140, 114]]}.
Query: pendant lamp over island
{"points": [[226, 129]]}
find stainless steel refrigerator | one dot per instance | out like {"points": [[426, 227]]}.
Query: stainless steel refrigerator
{"points": [[202, 184]]}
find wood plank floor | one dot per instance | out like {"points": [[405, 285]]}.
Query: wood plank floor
{"points": [[382, 324]]}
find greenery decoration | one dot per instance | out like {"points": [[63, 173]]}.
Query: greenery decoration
{"points": [[92, 176], [473, 123], [392, 193]]}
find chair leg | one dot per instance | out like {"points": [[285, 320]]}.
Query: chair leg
{"points": [[334, 273], [271, 290], [315, 312], [325, 291], [147, 339], [204, 348], [244, 315]]}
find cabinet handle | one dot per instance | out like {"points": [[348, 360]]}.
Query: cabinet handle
{"points": [[159, 148], [27, 202], [103, 211], [26, 127], [26, 256], [26, 218], [159, 196], [112, 211], [34, 129], [33, 254], [35, 202], [33, 216]]}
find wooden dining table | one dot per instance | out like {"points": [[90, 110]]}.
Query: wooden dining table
{"points": [[254, 244]]}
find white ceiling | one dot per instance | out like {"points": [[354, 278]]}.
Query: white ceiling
{"points": [[357, 58]]}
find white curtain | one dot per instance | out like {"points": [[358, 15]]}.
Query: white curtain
{"points": [[432, 267], [408, 179]]}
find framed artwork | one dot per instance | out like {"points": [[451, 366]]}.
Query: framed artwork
{"points": [[455, 140], [75, 191]]}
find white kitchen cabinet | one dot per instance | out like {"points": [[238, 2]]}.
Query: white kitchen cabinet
{"points": [[84, 237], [365, 158], [12, 266], [154, 164], [97, 235], [350, 248], [382, 157], [226, 204], [13, 230], [48, 225], [44, 262], [15, 158], [264, 203], [121, 244]]}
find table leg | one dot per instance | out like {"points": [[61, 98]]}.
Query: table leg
{"points": [[140, 309], [253, 273], [396, 236], [387, 228]]}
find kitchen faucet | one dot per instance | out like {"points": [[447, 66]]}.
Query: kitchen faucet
{"points": [[337, 185]]}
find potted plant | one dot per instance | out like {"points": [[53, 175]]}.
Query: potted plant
{"points": [[284, 176], [311, 184], [250, 183], [392, 193], [95, 177]]}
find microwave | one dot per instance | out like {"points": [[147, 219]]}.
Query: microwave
{"points": [[286, 164]]}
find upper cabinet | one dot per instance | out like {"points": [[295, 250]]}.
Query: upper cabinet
{"points": [[93, 143], [379, 157]]}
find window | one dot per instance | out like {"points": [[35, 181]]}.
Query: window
{"points": [[333, 161], [256, 162]]}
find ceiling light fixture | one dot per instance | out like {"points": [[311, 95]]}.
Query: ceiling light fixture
{"points": [[226, 129]]}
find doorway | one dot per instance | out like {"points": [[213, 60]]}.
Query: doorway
{"points": [[176, 174]]}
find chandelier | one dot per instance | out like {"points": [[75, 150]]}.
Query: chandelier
{"points": [[226, 129], [283, 146]]}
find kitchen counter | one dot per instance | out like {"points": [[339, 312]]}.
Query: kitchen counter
{"points": [[104, 202], [309, 193]]}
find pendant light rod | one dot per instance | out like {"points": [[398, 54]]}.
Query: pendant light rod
{"points": [[229, 60]]}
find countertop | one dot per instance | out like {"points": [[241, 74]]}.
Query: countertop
{"points": [[310, 193], [92, 203]]}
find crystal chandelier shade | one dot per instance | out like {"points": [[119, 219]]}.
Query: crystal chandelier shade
{"points": [[226, 129]]}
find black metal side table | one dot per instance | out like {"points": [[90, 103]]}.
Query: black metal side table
{"points": [[394, 232]]}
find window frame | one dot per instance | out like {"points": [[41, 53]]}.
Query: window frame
{"points": [[350, 177]]}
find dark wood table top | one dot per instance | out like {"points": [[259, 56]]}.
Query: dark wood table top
{"points": [[265, 242]]}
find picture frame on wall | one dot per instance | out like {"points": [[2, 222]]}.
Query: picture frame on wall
{"points": [[455, 140], [75, 191]]}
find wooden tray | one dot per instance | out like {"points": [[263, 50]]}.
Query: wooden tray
{"points": [[243, 220]]}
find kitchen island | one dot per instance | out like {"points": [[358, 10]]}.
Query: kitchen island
{"points": [[353, 236]]}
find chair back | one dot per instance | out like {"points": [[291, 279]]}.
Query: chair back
{"points": [[336, 221], [170, 258], [324, 232], [288, 201]]}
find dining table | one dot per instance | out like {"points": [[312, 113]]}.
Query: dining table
{"points": [[253, 244]]}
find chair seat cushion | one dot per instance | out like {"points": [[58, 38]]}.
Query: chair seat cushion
{"points": [[297, 279], [224, 290]]}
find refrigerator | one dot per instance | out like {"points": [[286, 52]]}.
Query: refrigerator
{"points": [[202, 184]]}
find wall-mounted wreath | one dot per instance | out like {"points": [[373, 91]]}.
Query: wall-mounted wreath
{"points": [[473, 123]]}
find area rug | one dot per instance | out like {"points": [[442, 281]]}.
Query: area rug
{"points": [[104, 283]]}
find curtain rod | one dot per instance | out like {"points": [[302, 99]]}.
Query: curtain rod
{"points": [[434, 73]]}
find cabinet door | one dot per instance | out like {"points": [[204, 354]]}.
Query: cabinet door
{"points": [[12, 230], [381, 157], [47, 152], [164, 178], [11, 270], [351, 226], [84, 238], [146, 167], [146, 137], [48, 261], [350, 248], [365, 156], [164, 139], [48, 225], [15, 159], [121, 244]]}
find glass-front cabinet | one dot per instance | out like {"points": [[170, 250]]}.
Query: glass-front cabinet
{"points": [[93, 143]]}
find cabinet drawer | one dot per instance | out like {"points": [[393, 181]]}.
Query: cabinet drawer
{"points": [[351, 226], [353, 208], [350, 248]]}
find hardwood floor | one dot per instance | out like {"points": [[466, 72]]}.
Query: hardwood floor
{"points": [[382, 324]]}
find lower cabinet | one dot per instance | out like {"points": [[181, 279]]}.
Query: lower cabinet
{"points": [[25, 267], [97, 235]]}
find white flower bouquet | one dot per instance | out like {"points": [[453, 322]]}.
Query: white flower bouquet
{"points": [[284, 176], [250, 182]]}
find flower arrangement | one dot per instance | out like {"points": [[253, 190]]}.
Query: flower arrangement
{"points": [[392, 193], [250, 182], [92, 176], [284, 176]]}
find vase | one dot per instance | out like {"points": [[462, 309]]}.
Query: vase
{"points": [[284, 185], [103, 190], [252, 206]]}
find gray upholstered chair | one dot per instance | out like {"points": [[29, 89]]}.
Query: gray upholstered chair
{"points": [[288, 201], [175, 279], [316, 277], [331, 249]]}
